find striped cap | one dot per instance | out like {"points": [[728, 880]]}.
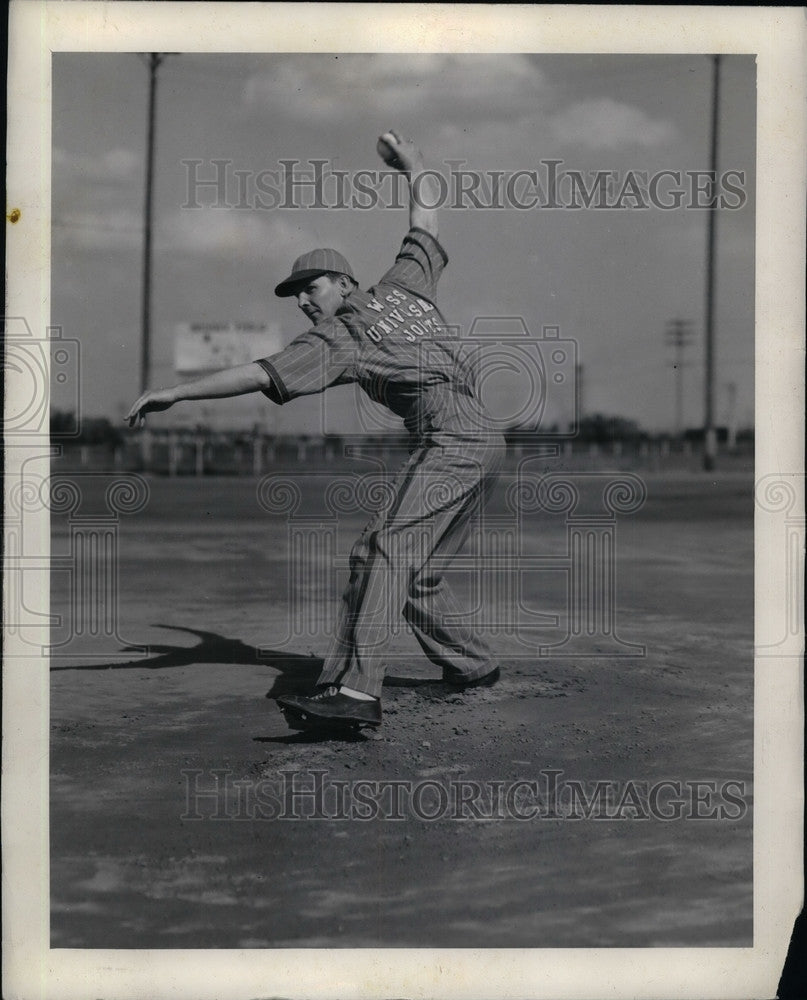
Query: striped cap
{"points": [[311, 264]]}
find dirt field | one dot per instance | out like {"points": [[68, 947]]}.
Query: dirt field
{"points": [[207, 604]]}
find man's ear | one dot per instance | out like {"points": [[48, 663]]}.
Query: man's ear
{"points": [[345, 284]]}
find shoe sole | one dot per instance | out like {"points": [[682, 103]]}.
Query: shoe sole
{"points": [[299, 719]]}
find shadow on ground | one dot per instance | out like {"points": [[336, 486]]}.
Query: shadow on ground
{"points": [[297, 674]]}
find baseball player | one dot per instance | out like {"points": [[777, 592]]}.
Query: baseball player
{"points": [[393, 341]]}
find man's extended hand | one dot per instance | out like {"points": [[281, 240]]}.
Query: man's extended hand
{"points": [[150, 402], [402, 154]]}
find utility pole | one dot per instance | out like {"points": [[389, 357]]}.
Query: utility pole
{"points": [[709, 432], [153, 61], [731, 418], [679, 334], [579, 398]]}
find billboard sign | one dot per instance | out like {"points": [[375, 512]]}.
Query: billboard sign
{"points": [[210, 347]]}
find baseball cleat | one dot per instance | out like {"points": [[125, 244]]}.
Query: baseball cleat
{"points": [[330, 709]]}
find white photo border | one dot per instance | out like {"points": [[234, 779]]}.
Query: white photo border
{"points": [[777, 37]]}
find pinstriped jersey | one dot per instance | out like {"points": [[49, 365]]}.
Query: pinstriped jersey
{"points": [[392, 339]]}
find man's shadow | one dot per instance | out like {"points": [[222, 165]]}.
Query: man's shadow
{"points": [[297, 674]]}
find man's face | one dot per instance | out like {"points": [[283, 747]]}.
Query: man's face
{"points": [[320, 297]]}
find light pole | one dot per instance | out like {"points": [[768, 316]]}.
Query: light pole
{"points": [[709, 432], [153, 61]]}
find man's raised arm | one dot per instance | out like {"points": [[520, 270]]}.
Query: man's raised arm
{"points": [[404, 155]]}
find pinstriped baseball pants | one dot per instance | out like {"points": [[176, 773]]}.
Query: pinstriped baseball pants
{"points": [[397, 566]]}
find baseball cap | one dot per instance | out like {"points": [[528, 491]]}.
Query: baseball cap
{"points": [[311, 264]]}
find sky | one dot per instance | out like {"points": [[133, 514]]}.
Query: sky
{"points": [[609, 278]]}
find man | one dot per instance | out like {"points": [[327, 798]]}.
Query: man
{"points": [[392, 341]]}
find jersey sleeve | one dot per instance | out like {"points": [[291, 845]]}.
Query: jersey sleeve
{"points": [[419, 264], [312, 362]]}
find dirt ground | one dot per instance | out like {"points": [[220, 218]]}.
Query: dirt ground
{"points": [[170, 759]]}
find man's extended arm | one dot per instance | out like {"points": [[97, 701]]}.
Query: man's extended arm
{"points": [[424, 194], [229, 382]]}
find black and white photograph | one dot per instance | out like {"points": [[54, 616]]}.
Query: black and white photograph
{"points": [[404, 511]]}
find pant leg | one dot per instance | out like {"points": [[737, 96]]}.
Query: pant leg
{"points": [[368, 609], [432, 610], [340, 651], [396, 568]]}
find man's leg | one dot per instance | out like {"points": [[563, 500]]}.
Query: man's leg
{"points": [[445, 635], [439, 496], [340, 650], [374, 595], [439, 623], [437, 493], [333, 704]]}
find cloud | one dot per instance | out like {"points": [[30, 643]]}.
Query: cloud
{"points": [[485, 107], [113, 165], [115, 229], [504, 144], [211, 233], [602, 123], [394, 86], [686, 237], [97, 200], [226, 233]]}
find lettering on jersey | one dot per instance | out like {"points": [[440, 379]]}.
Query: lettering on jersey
{"points": [[395, 317], [420, 329]]}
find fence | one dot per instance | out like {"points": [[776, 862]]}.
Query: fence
{"points": [[182, 453]]}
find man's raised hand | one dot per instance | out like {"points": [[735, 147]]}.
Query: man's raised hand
{"points": [[404, 155], [400, 153]]}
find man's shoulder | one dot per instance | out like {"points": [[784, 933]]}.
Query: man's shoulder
{"points": [[329, 329], [390, 291]]}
